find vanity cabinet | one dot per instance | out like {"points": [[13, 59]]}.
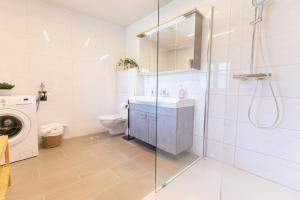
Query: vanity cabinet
{"points": [[139, 123], [175, 126], [152, 129]]}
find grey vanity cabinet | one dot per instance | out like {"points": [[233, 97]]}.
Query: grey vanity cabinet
{"points": [[152, 129], [139, 125], [167, 134], [174, 127]]}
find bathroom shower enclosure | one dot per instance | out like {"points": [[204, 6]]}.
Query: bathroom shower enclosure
{"points": [[179, 65], [237, 130]]}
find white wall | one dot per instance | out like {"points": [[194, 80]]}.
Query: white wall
{"points": [[81, 86], [194, 82], [129, 83], [273, 154]]}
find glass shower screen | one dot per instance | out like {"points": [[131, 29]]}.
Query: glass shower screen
{"points": [[183, 53]]}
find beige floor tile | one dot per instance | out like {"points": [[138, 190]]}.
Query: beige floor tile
{"points": [[134, 188], [146, 160], [101, 163], [127, 169], [86, 187], [42, 186], [83, 168], [23, 166], [53, 168], [32, 197], [23, 176], [168, 166]]}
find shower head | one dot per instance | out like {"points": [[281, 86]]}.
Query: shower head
{"points": [[259, 8], [259, 3]]}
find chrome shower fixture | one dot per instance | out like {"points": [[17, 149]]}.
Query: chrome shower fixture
{"points": [[259, 3], [259, 8], [259, 76]]}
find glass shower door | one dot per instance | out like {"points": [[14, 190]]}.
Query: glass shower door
{"points": [[182, 81]]}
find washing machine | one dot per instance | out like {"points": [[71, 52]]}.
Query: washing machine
{"points": [[18, 120]]}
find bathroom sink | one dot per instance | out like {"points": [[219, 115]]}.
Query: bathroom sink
{"points": [[167, 102]]}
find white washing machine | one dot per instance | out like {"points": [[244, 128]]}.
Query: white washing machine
{"points": [[18, 120]]}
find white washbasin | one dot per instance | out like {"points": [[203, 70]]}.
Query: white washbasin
{"points": [[167, 102]]}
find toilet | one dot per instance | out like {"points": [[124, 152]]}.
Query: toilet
{"points": [[115, 124]]}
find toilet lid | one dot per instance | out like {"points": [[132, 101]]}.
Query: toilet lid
{"points": [[111, 117]]}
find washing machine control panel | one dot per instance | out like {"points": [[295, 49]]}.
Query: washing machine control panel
{"points": [[17, 100], [2, 102]]}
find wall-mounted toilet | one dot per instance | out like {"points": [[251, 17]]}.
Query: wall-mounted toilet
{"points": [[115, 124]]}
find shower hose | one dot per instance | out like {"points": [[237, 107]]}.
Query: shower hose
{"points": [[269, 80]]}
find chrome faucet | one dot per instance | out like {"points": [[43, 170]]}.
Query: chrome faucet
{"points": [[164, 93], [152, 93]]}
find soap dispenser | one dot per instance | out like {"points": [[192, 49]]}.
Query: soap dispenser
{"points": [[181, 93], [186, 94]]}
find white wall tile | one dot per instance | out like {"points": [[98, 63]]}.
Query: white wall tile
{"points": [[285, 79], [278, 170], [217, 106], [14, 15], [280, 143], [76, 79], [216, 128], [220, 151], [272, 154]]}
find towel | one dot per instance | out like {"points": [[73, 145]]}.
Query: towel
{"points": [[53, 127], [124, 106]]}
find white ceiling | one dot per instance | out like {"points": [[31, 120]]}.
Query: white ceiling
{"points": [[122, 12]]}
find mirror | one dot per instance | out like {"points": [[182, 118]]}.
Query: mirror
{"points": [[179, 45]]}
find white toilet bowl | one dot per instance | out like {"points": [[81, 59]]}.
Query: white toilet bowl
{"points": [[115, 124]]}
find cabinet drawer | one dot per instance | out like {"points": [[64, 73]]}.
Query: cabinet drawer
{"points": [[142, 108], [152, 109]]}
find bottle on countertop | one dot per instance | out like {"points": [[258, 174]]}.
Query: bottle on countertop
{"points": [[181, 93], [186, 94], [152, 93]]}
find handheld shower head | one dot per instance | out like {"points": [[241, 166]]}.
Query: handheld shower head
{"points": [[259, 3], [259, 8]]}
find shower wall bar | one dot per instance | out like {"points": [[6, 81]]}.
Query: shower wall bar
{"points": [[245, 77]]}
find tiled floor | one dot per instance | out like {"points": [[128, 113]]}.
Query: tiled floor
{"points": [[96, 167], [212, 180]]}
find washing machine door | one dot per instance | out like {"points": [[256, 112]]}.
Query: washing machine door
{"points": [[15, 124]]}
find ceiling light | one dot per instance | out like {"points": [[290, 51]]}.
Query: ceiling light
{"points": [[87, 42], [104, 57], [46, 35], [223, 33], [190, 35], [163, 26]]}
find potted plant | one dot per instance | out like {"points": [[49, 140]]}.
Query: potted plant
{"points": [[6, 89], [126, 63]]}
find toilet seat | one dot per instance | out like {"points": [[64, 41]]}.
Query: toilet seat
{"points": [[116, 117]]}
